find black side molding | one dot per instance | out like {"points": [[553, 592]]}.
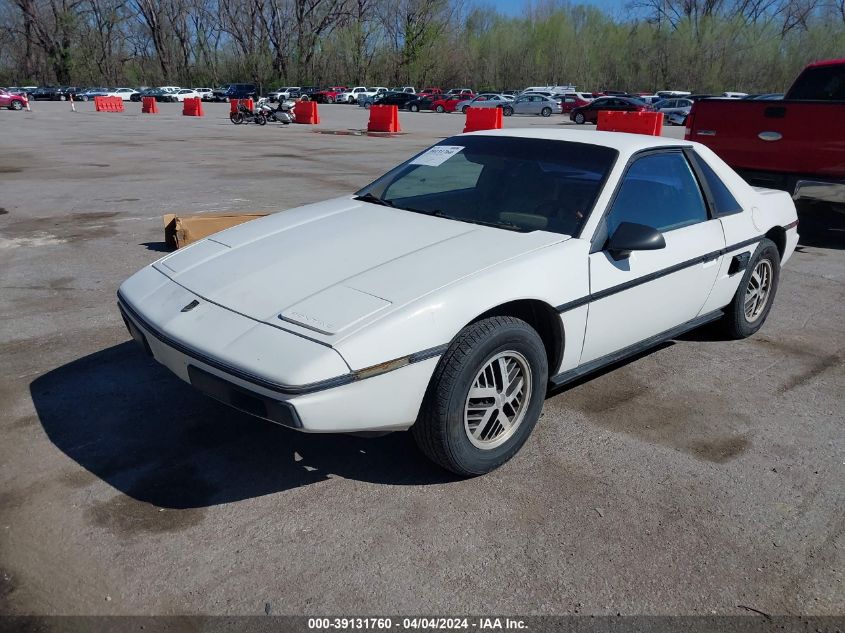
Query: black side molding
{"points": [[657, 274], [594, 365]]}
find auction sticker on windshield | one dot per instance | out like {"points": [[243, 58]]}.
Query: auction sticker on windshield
{"points": [[437, 155]]}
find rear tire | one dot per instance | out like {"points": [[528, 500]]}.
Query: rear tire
{"points": [[440, 109], [464, 109], [236, 117], [503, 361], [756, 293], [260, 119], [414, 108], [507, 111]]}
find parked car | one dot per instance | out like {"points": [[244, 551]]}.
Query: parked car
{"points": [[146, 92], [532, 104], [408, 89], [460, 91], [328, 95], [204, 93], [485, 100], [794, 144], [569, 102], [89, 93], [734, 95], [124, 93], [186, 93], [283, 94], [352, 96], [464, 355], [12, 100], [676, 118], [68, 92], [670, 106], [399, 99], [235, 91], [673, 94], [45, 93], [422, 101], [590, 112], [305, 92], [431, 90], [449, 102]]}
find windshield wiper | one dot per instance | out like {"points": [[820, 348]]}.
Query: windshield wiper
{"points": [[501, 224], [371, 197]]}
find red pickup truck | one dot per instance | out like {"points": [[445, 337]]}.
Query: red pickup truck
{"points": [[796, 145]]}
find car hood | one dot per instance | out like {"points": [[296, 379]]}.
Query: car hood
{"points": [[333, 266]]}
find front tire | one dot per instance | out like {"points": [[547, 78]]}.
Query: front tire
{"points": [[507, 111], [754, 297], [440, 109], [546, 112], [236, 117], [484, 398], [579, 119], [414, 108], [16, 105]]}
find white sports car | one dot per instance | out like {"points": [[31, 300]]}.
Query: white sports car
{"points": [[450, 294]]}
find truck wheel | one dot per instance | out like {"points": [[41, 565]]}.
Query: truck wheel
{"points": [[753, 299], [485, 396]]}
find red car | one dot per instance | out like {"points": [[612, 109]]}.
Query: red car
{"points": [[448, 103], [590, 113], [431, 91], [327, 95], [571, 101], [11, 100]]}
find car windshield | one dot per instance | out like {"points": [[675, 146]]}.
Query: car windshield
{"points": [[513, 183]]}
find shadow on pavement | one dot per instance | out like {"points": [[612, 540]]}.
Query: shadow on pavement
{"points": [[821, 225], [138, 427]]}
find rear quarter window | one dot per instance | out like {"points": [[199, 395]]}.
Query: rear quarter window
{"points": [[721, 198]]}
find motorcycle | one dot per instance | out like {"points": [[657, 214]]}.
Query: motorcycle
{"points": [[283, 113], [245, 115]]}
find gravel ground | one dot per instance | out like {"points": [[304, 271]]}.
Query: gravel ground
{"points": [[701, 476]]}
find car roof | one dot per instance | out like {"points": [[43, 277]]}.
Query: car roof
{"points": [[623, 142]]}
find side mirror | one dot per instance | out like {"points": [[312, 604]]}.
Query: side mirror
{"points": [[630, 236]]}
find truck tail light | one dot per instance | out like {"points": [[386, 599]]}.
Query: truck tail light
{"points": [[688, 128]]}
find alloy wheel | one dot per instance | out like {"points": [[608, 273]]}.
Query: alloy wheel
{"points": [[498, 399], [758, 289]]}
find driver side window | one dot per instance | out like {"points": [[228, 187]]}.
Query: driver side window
{"points": [[659, 191]]}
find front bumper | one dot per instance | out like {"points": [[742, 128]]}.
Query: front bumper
{"points": [[235, 360]]}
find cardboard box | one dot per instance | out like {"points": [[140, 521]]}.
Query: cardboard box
{"points": [[181, 230]]}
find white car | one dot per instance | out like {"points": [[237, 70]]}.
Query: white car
{"points": [[186, 93], [352, 96], [124, 93], [450, 294], [204, 93], [283, 94]]}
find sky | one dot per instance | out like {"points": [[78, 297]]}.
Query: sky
{"points": [[514, 7]]}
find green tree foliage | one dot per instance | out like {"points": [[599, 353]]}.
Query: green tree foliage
{"points": [[699, 45]]}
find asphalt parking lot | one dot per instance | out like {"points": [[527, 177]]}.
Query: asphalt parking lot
{"points": [[704, 475]]}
